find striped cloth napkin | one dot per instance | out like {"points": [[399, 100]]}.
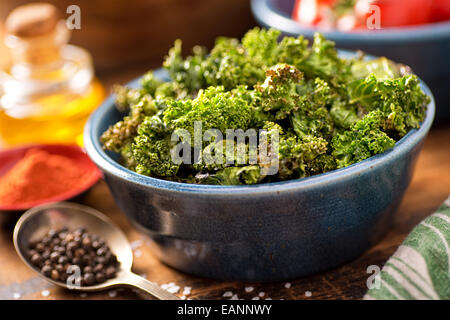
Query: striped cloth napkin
{"points": [[420, 268]]}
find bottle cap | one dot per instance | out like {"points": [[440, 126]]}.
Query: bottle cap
{"points": [[32, 20], [35, 33]]}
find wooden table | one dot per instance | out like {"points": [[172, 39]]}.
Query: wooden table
{"points": [[429, 188]]}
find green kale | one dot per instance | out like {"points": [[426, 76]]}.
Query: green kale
{"points": [[301, 157], [401, 101], [121, 133], [214, 107], [187, 72], [316, 111], [233, 176], [229, 65], [150, 83], [126, 97], [312, 116], [363, 140], [151, 149], [293, 51], [324, 62], [278, 94], [344, 114], [381, 68], [171, 90], [262, 45]]}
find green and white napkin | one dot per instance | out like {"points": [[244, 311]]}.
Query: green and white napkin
{"points": [[420, 268]]}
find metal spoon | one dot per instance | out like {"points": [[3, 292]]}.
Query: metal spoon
{"points": [[36, 222]]}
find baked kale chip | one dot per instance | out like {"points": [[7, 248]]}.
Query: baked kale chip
{"points": [[310, 110]]}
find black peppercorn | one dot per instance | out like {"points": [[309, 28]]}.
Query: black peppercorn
{"points": [[100, 277], [89, 278], [54, 256], [36, 259], [59, 268], [63, 277], [46, 270], [79, 252], [59, 250], [62, 260], [40, 247], [98, 267], [71, 246], [101, 251], [87, 269], [54, 275], [110, 272], [86, 242], [46, 254]]}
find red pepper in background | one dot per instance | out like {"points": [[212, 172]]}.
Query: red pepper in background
{"points": [[441, 10], [393, 13], [314, 13], [396, 13]]}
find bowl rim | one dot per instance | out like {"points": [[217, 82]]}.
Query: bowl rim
{"points": [[110, 166], [267, 15]]}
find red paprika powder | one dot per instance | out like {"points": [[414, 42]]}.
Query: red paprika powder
{"points": [[40, 175]]}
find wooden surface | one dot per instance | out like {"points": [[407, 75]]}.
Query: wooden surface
{"points": [[429, 188]]}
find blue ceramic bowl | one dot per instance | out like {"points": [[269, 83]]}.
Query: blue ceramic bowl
{"points": [[425, 48], [266, 232]]}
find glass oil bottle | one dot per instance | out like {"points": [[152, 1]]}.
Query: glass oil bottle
{"points": [[48, 90]]}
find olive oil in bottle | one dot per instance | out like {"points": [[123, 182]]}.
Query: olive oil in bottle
{"points": [[48, 90]]}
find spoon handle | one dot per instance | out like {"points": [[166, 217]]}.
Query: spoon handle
{"points": [[133, 280]]}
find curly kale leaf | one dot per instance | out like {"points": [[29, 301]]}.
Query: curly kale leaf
{"points": [[119, 135], [171, 90], [363, 140], [151, 149], [401, 101], [293, 51], [126, 154], [233, 176], [214, 107], [150, 83], [187, 73], [382, 68], [324, 62], [278, 94], [126, 97], [232, 63], [344, 114], [230, 66], [312, 116], [302, 157], [262, 45]]}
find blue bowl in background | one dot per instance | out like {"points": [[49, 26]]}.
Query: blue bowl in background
{"points": [[425, 48], [266, 232]]}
